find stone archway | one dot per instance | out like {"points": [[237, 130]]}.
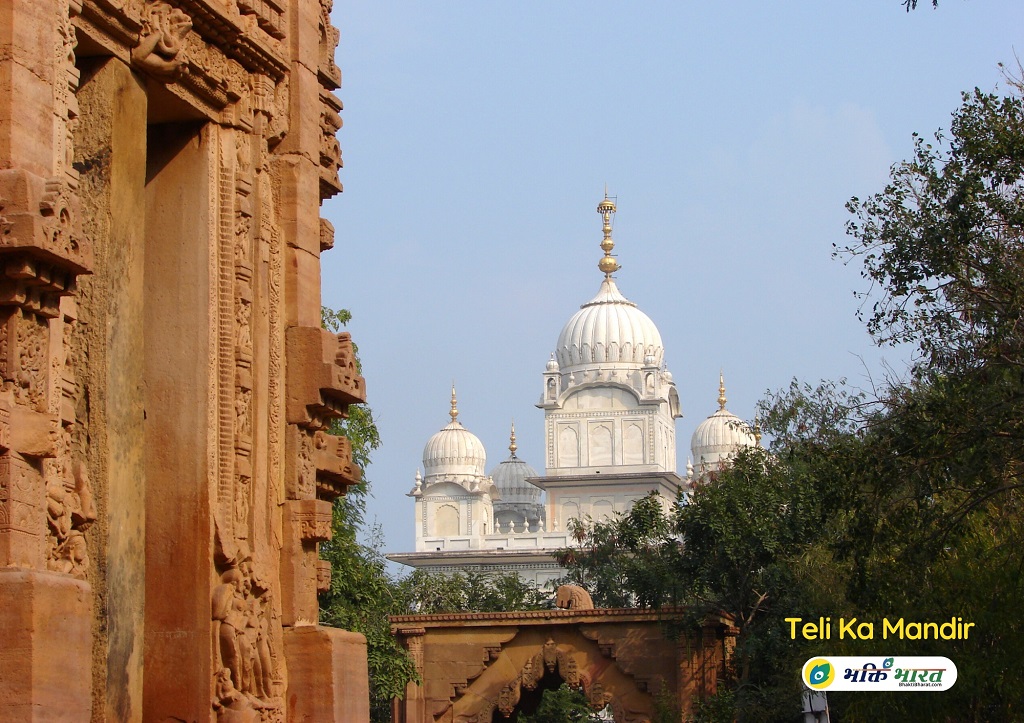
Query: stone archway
{"points": [[476, 667]]}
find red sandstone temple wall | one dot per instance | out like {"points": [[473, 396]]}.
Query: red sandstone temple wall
{"points": [[166, 473]]}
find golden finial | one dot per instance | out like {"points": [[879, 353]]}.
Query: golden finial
{"points": [[454, 413], [607, 264], [512, 440], [721, 390]]}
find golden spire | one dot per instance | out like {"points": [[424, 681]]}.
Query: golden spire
{"points": [[607, 264], [454, 413], [721, 391], [512, 440]]}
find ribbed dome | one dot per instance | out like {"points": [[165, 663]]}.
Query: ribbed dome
{"points": [[454, 451], [608, 329], [510, 478], [720, 436]]}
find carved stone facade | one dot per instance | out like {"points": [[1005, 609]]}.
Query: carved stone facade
{"points": [[166, 473], [482, 667]]}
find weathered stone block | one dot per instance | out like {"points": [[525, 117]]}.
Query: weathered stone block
{"points": [[305, 522], [321, 376], [326, 674], [311, 520], [41, 217], [298, 219], [22, 513], [304, 111], [302, 287], [45, 619], [335, 471]]}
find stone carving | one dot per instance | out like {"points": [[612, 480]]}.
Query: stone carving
{"points": [[598, 697], [164, 29], [243, 413], [323, 386], [323, 576], [268, 13], [330, 150], [29, 371], [243, 329], [326, 235], [70, 511], [328, 71], [549, 659], [335, 470], [241, 613], [573, 597], [306, 483]]}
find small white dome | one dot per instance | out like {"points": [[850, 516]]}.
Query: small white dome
{"points": [[609, 329], [552, 365], [720, 436], [454, 451], [510, 478]]}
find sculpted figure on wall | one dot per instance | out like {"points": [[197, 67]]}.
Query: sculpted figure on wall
{"points": [[69, 512], [164, 29], [242, 610]]}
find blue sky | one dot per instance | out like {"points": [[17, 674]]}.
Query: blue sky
{"points": [[478, 138]]}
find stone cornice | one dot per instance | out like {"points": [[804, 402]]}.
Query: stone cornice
{"points": [[399, 623]]}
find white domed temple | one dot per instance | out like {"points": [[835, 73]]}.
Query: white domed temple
{"points": [[610, 410]]}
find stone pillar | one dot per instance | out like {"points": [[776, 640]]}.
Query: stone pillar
{"points": [[45, 498], [413, 707], [181, 401], [110, 147]]}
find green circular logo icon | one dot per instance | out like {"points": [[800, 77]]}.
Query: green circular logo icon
{"points": [[819, 673]]}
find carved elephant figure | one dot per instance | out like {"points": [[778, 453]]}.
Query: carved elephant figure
{"points": [[573, 597]]}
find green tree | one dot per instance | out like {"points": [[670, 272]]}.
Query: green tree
{"points": [[460, 592], [626, 561]]}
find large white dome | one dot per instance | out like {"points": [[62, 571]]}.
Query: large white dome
{"points": [[609, 329]]}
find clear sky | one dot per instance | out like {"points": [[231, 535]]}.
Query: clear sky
{"points": [[478, 138]]}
